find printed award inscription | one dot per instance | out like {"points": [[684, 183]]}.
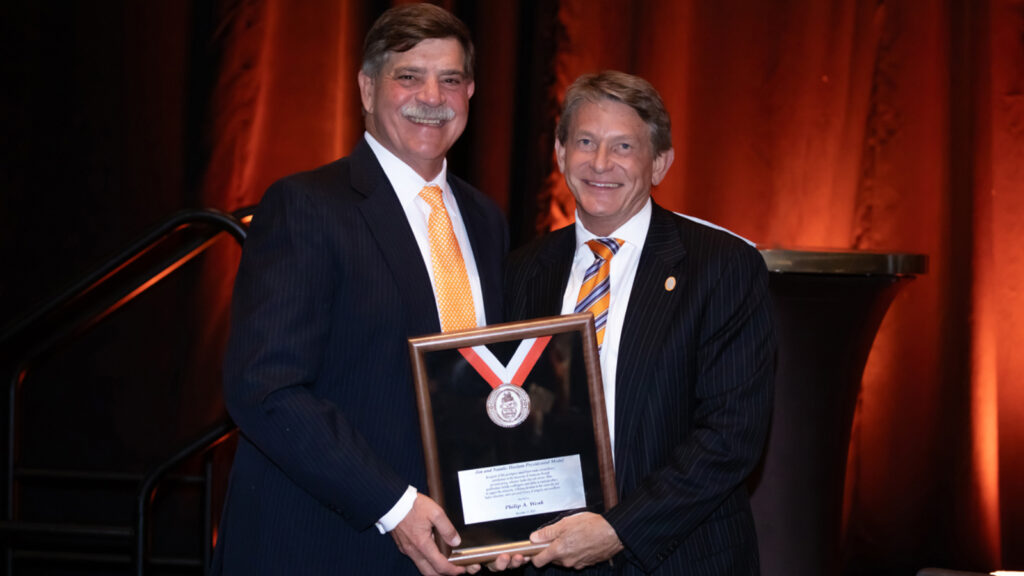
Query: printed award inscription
{"points": [[522, 489]]}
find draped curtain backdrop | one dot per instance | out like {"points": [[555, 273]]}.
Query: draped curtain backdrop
{"points": [[892, 125]]}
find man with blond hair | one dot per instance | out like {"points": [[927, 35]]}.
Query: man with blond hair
{"points": [[686, 345]]}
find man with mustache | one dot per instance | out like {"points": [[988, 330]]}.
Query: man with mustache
{"points": [[342, 265]]}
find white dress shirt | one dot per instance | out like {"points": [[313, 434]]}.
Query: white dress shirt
{"points": [[408, 184], [620, 276]]}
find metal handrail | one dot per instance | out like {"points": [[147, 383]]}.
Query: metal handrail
{"points": [[149, 486], [220, 222]]}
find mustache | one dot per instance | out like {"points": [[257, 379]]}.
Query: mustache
{"points": [[416, 111]]}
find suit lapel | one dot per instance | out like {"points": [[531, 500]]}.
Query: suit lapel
{"points": [[554, 262], [650, 312], [390, 228], [475, 220]]}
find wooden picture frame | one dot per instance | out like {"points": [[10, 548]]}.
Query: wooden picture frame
{"points": [[505, 458]]}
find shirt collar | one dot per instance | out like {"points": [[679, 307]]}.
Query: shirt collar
{"points": [[632, 232], [404, 179]]}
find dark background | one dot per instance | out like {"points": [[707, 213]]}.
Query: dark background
{"points": [[117, 114]]}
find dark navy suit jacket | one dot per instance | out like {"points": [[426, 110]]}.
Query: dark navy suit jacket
{"points": [[692, 395], [317, 372]]}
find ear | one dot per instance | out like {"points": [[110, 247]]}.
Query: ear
{"points": [[366, 91], [470, 88], [661, 165], [560, 155]]}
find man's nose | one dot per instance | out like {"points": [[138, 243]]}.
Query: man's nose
{"points": [[431, 92], [602, 159]]}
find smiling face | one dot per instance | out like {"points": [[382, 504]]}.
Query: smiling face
{"points": [[609, 164], [417, 105]]}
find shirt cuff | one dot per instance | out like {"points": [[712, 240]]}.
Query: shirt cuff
{"points": [[398, 512]]}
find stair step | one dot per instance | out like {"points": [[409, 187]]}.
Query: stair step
{"points": [[102, 558], [37, 532]]}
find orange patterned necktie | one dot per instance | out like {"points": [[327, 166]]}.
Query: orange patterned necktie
{"points": [[454, 297], [595, 293]]}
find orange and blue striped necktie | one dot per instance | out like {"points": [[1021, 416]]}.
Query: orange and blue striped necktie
{"points": [[595, 293]]}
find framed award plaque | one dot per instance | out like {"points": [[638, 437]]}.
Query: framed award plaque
{"points": [[515, 432]]}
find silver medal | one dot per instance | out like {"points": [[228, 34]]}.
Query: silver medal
{"points": [[508, 405]]}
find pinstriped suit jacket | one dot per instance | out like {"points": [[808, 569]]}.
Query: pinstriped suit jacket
{"points": [[317, 373], [693, 392]]}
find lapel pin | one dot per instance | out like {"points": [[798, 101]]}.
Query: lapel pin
{"points": [[670, 283]]}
